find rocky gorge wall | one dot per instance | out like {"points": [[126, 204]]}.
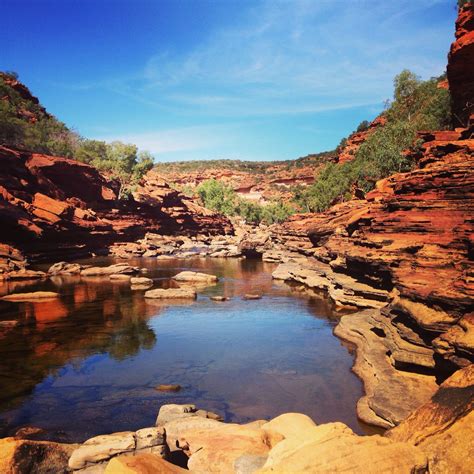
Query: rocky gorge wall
{"points": [[403, 255], [53, 207]]}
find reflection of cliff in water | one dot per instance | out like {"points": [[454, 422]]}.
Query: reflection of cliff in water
{"points": [[91, 317]]}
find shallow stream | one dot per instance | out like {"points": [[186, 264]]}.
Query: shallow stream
{"points": [[88, 362]]}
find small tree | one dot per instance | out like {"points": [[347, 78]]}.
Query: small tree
{"points": [[363, 126]]}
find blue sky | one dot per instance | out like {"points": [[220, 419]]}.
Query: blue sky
{"points": [[196, 79]]}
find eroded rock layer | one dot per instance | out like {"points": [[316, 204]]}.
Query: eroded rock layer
{"points": [[52, 207], [412, 240]]}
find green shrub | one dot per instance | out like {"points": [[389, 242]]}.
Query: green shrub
{"points": [[417, 105], [219, 197], [363, 126]]}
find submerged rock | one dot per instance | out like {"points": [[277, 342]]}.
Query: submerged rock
{"points": [[33, 296], [219, 298], [168, 388], [251, 296]]}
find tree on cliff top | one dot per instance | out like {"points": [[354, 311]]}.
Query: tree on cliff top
{"points": [[417, 105], [120, 161], [25, 124]]}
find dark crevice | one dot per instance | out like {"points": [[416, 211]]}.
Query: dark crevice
{"points": [[379, 332], [178, 458]]}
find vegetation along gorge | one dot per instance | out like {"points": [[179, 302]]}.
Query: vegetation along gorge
{"points": [[174, 310]]}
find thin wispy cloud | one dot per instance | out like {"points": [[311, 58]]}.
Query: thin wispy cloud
{"points": [[330, 62]]}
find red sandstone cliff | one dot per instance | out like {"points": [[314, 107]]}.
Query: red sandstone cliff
{"points": [[461, 67], [355, 140], [52, 206], [413, 236]]}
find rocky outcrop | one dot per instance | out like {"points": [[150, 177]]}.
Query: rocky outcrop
{"points": [[384, 385], [52, 207], [412, 233], [410, 239], [29, 114], [256, 181], [291, 442], [461, 66], [444, 426], [355, 140]]}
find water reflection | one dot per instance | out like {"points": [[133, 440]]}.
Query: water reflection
{"points": [[95, 354]]}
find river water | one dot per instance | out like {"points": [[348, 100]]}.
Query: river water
{"points": [[88, 363]]}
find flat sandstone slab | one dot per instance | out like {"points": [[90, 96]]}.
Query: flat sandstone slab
{"points": [[195, 276], [171, 293], [34, 296]]}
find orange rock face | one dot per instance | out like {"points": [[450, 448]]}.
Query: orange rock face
{"points": [[52, 206], [355, 140], [272, 182], [461, 66], [414, 232]]}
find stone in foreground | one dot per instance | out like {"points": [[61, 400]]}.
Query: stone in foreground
{"points": [[141, 464], [171, 293], [18, 456], [328, 450], [101, 448]]}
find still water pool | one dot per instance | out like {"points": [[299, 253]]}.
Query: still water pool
{"points": [[88, 362]]}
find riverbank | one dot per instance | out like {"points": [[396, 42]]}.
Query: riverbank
{"points": [[435, 438]]}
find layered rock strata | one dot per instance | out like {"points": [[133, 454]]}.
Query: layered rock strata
{"points": [[356, 139], [52, 207], [410, 240]]}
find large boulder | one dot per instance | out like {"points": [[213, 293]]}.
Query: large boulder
{"points": [[444, 426], [102, 448], [290, 425], [333, 448]]}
